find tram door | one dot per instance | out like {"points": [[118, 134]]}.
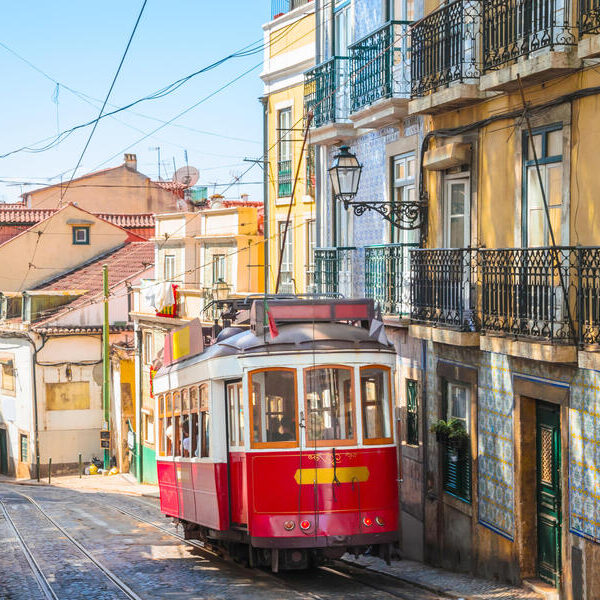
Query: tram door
{"points": [[237, 455]]}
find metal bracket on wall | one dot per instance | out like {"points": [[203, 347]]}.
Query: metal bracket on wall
{"points": [[404, 215]]}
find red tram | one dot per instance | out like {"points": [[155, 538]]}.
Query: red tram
{"points": [[281, 449]]}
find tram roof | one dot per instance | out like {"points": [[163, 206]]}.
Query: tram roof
{"points": [[297, 337]]}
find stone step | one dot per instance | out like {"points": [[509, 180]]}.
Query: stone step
{"points": [[543, 589]]}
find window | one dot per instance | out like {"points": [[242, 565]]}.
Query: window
{"points": [[376, 405], [169, 271], [329, 405], [148, 426], [273, 407], [310, 171], [235, 403], [204, 423], [23, 443], [548, 145], [343, 29], [403, 177], [148, 347], [286, 282], [456, 458], [218, 268], [311, 236], [81, 236], [412, 413], [7, 373], [284, 153], [456, 213]]}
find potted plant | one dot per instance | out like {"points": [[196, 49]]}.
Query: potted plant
{"points": [[458, 436], [441, 430]]}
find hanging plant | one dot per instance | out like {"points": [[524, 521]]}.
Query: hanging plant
{"points": [[451, 432]]}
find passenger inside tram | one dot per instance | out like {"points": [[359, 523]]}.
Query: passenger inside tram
{"points": [[186, 441]]}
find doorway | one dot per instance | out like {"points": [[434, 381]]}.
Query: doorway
{"points": [[3, 452], [548, 492]]}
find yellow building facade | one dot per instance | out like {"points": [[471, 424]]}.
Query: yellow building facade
{"points": [[289, 51]]}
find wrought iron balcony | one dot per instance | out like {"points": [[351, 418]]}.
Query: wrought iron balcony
{"points": [[445, 47], [387, 277], [284, 178], [334, 270], [443, 287], [589, 16], [520, 27], [380, 65], [280, 7], [326, 91], [530, 292]]}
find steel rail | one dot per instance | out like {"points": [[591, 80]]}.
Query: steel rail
{"points": [[105, 570], [40, 578]]}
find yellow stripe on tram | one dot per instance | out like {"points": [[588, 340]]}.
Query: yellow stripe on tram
{"points": [[326, 475]]}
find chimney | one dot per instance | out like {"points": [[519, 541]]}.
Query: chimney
{"points": [[131, 161]]}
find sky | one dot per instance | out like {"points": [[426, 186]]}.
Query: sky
{"points": [[80, 44]]}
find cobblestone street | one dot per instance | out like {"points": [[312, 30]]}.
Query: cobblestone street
{"points": [[101, 545]]}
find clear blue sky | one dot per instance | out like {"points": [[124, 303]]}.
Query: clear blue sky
{"points": [[80, 44]]}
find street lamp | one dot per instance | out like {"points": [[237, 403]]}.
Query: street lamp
{"points": [[221, 289], [344, 175]]}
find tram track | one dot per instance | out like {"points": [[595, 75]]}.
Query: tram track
{"points": [[56, 580]]}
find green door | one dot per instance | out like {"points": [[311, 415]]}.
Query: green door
{"points": [[548, 492], [3, 453]]}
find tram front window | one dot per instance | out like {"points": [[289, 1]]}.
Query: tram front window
{"points": [[375, 399], [273, 406], [329, 404]]}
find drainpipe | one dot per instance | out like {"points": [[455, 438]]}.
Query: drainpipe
{"points": [[264, 100], [138, 401], [425, 430]]}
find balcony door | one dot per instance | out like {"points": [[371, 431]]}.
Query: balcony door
{"points": [[457, 213]]}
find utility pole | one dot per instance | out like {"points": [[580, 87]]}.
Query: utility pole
{"points": [[106, 364]]}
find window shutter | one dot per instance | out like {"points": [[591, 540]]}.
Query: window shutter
{"points": [[412, 413]]}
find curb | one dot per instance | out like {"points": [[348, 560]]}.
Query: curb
{"points": [[418, 584]]}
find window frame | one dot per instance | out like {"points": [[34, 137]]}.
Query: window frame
{"points": [[6, 358], [172, 262], [449, 181], [23, 436], [331, 443], [285, 150], [238, 427], [203, 412], [282, 444], [410, 440], [447, 448], [287, 267], [383, 440], [400, 193], [79, 229], [148, 343], [310, 243], [544, 160]]}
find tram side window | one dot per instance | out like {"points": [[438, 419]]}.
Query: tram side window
{"points": [[236, 414], [204, 423], [273, 406], [375, 400], [329, 404]]}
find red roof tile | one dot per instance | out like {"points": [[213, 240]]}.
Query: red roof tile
{"points": [[122, 264]]}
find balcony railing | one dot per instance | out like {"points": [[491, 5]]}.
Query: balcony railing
{"points": [[387, 277], [523, 292], [280, 7], [443, 287], [284, 178], [326, 91], [380, 65], [334, 270], [445, 47], [589, 16], [516, 28], [547, 294]]}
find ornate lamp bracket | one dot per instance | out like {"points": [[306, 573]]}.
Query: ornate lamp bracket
{"points": [[404, 215]]}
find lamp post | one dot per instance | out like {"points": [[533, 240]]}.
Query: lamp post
{"points": [[344, 175]]}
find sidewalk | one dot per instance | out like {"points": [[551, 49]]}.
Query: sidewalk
{"points": [[439, 581], [123, 483]]}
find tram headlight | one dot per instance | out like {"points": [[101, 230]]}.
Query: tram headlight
{"points": [[305, 525], [289, 525], [367, 521], [379, 521]]}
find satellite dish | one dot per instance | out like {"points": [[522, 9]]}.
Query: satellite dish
{"points": [[187, 176]]}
